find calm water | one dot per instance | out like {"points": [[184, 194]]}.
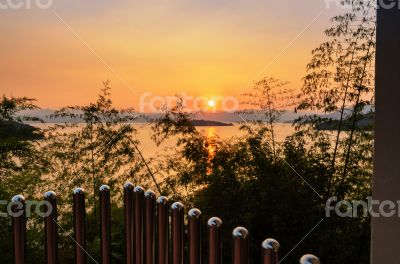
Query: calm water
{"points": [[150, 149]]}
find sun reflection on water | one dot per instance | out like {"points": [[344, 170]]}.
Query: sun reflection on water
{"points": [[210, 145]]}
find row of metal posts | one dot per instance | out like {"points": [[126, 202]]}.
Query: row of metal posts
{"points": [[146, 221]]}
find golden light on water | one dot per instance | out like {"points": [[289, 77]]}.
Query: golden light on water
{"points": [[210, 134]]}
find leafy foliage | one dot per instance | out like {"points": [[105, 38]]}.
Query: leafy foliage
{"points": [[97, 145], [21, 167], [101, 150], [340, 80], [268, 99]]}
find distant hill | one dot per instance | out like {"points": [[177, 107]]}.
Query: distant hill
{"points": [[20, 131], [209, 123], [224, 117], [367, 123]]}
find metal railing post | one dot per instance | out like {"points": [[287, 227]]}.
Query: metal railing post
{"points": [[194, 231], [215, 240], [162, 230], [138, 197], [105, 222], [149, 226], [177, 222], [309, 259], [129, 222], [19, 228], [240, 246], [51, 228], [270, 251], [79, 226]]}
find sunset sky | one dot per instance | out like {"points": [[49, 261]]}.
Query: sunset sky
{"points": [[61, 55]]}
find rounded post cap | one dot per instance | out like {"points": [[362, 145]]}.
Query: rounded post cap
{"points": [[271, 244], [128, 185], [214, 221], [138, 189], [50, 194], [78, 191], [162, 200], [309, 259], [194, 213], [177, 206], [18, 198], [149, 194], [104, 188], [240, 232]]}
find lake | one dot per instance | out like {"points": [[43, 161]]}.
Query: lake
{"points": [[150, 149]]}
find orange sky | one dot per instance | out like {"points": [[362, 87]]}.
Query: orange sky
{"points": [[203, 47]]}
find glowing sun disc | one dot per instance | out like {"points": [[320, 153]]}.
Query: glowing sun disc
{"points": [[211, 103]]}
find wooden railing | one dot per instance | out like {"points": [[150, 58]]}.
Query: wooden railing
{"points": [[148, 239]]}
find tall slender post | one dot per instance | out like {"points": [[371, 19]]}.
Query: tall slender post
{"points": [[240, 246], [19, 228], [215, 240], [270, 251], [162, 230], [149, 226], [105, 222], [309, 259], [385, 231], [129, 222], [79, 226], [138, 199], [194, 230], [177, 212], [51, 228]]}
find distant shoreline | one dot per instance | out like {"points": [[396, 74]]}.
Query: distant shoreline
{"points": [[200, 123]]}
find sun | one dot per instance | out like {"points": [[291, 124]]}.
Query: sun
{"points": [[211, 103]]}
